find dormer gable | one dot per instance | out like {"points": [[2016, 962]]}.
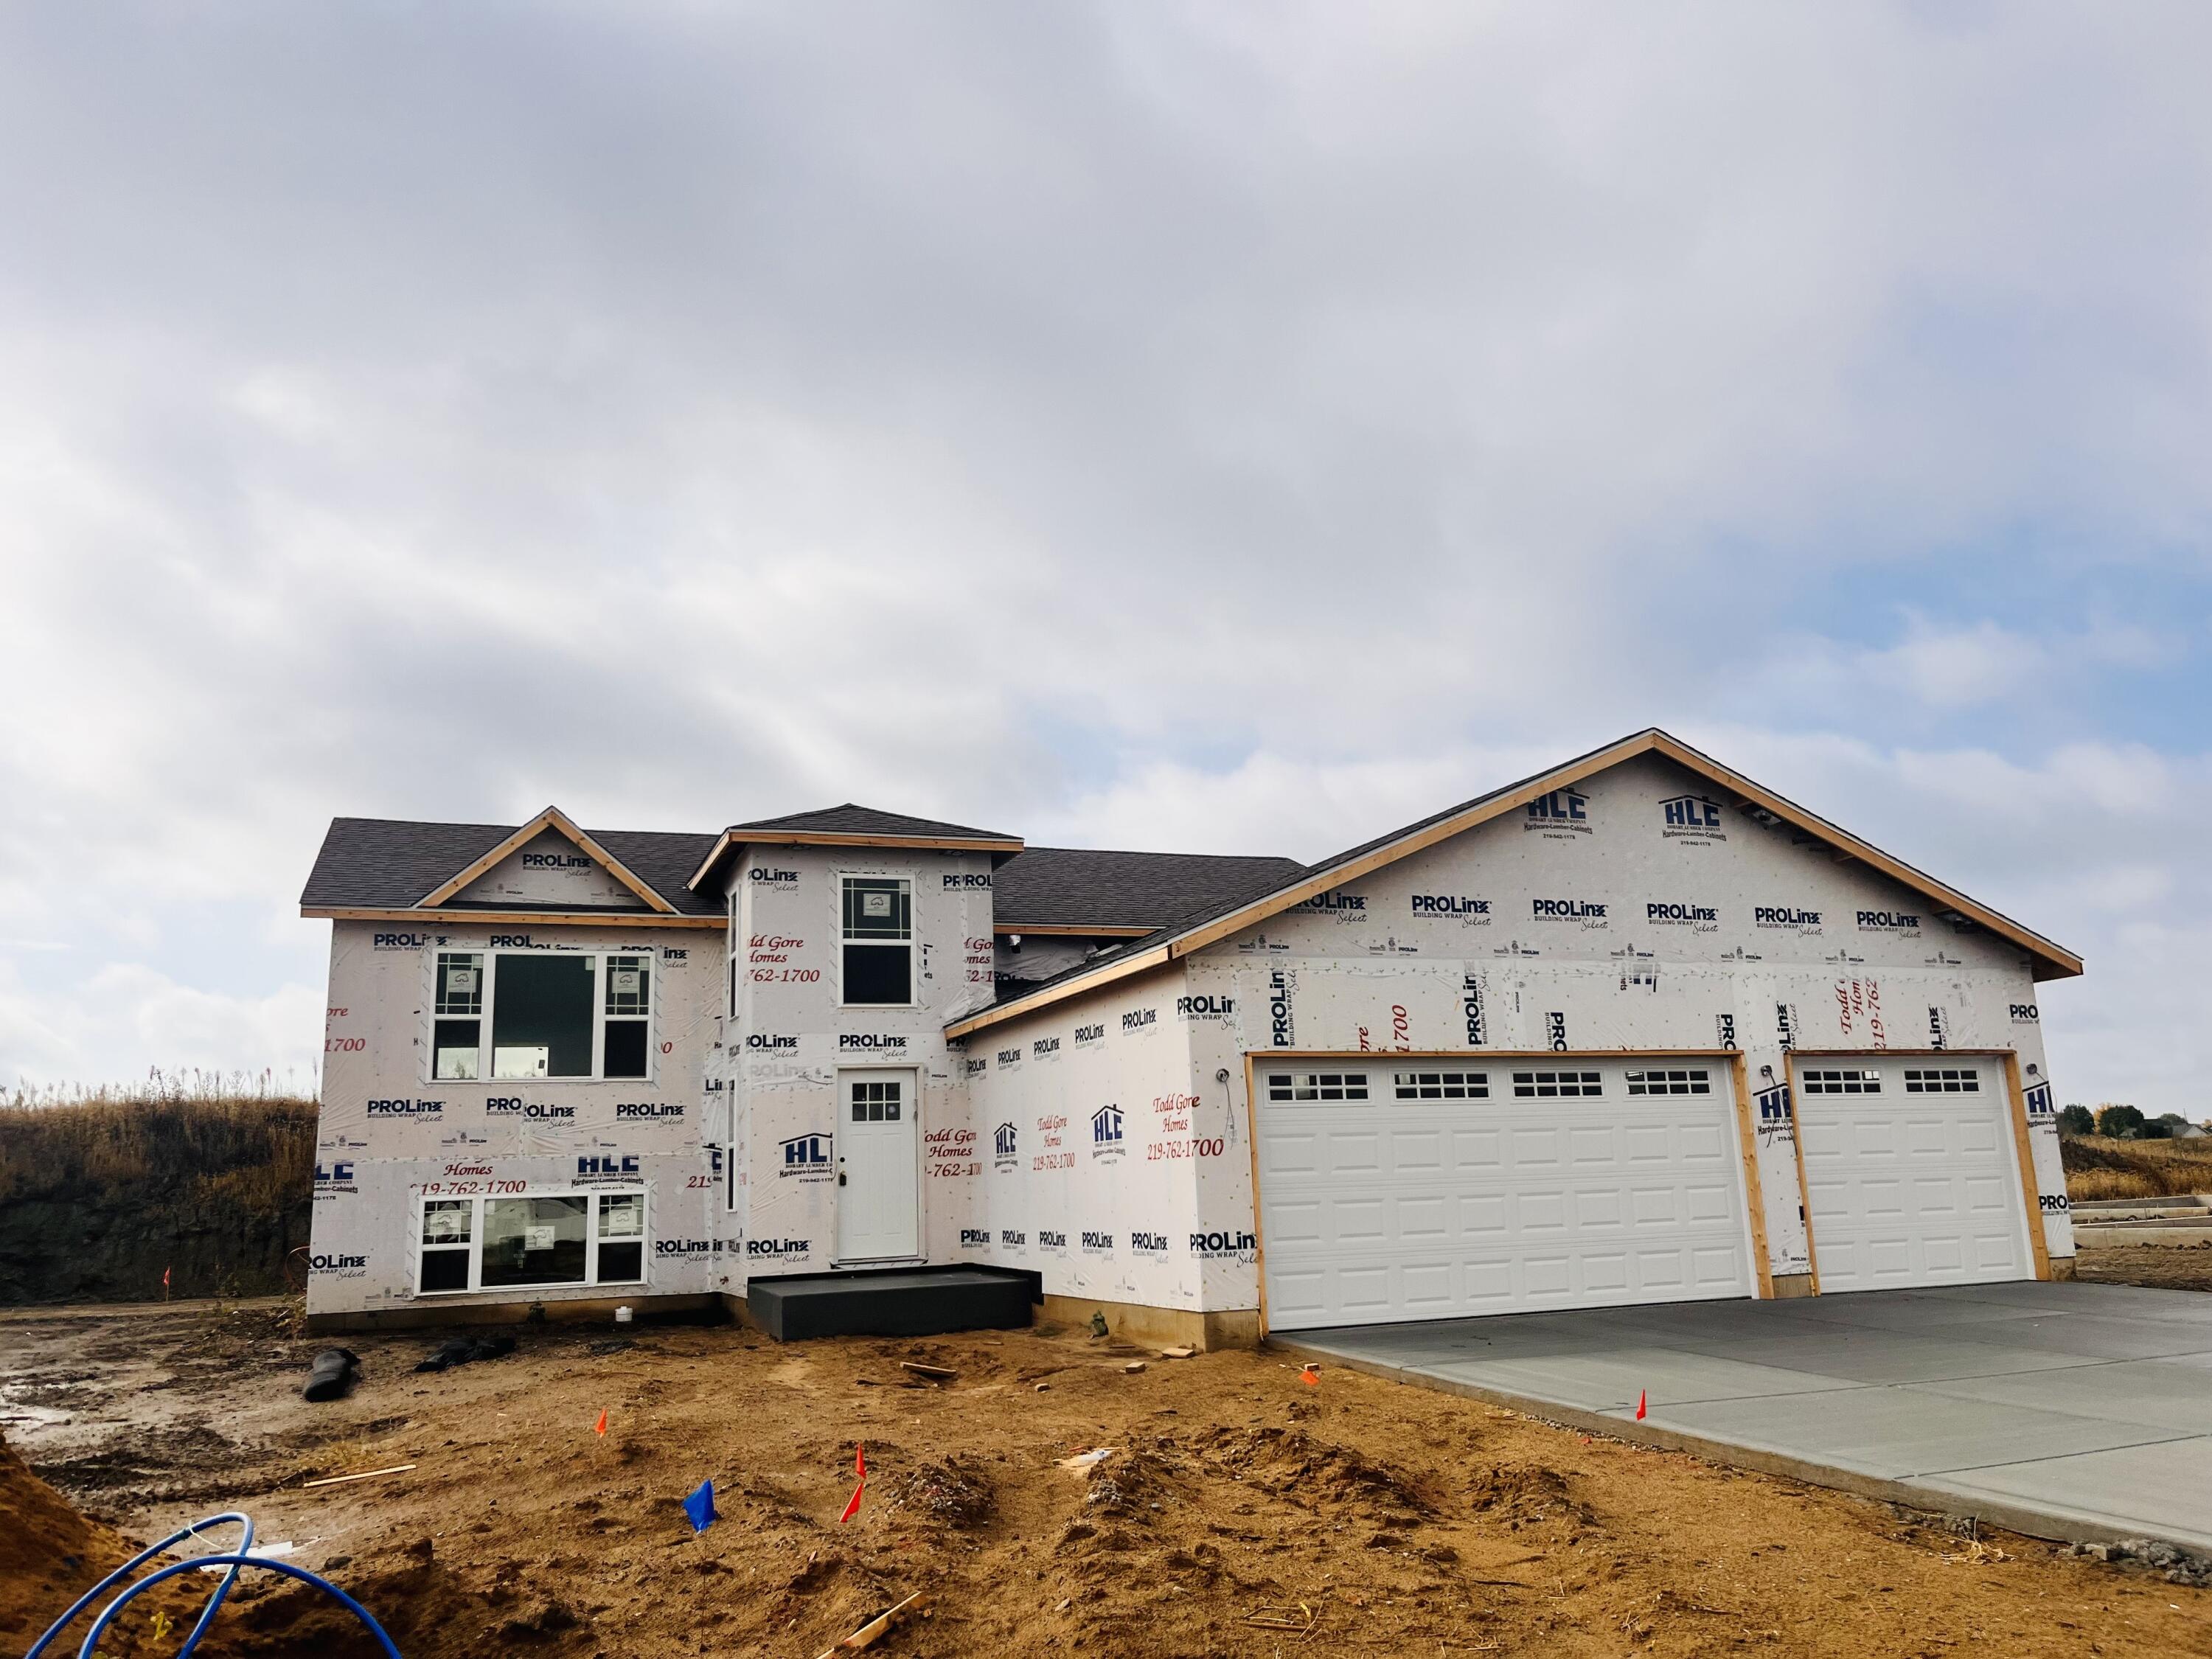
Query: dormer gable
{"points": [[547, 864]]}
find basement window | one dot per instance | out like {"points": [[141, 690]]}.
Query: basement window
{"points": [[448, 1229], [878, 941], [1680, 1080], [541, 1241], [1829, 1081], [1317, 1085], [548, 1015], [1442, 1086], [1942, 1081], [1551, 1085]]}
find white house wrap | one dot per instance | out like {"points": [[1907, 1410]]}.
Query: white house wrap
{"points": [[1635, 1030]]}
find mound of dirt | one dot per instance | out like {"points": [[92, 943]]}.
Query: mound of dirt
{"points": [[1525, 1492], [51, 1553], [956, 1492], [1290, 1464]]}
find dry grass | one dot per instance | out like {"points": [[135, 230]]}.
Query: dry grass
{"points": [[2099, 1167], [102, 1191]]}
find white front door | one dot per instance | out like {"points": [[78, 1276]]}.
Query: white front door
{"points": [[1406, 1187], [1911, 1174], [878, 1171]]}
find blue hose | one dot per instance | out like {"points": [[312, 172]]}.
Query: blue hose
{"points": [[207, 1614], [92, 1639], [193, 1564]]}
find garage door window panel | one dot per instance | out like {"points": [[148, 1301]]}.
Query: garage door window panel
{"points": [[1440, 1086], [1674, 1080], [1315, 1087], [1827, 1081], [1556, 1085], [1942, 1080]]}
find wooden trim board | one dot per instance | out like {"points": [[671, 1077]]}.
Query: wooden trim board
{"points": [[1252, 1142], [1746, 1130], [450, 919], [2023, 1144], [1798, 1145]]}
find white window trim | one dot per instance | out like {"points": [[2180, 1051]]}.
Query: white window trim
{"points": [[477, 1202], [489, 955], [913, 941]]}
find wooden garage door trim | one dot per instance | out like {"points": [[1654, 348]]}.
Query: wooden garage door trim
{"points": [[2031, 1203], [1733, 1058]]}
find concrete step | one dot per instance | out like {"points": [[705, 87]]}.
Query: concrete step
{"points": [[901, 1302]]}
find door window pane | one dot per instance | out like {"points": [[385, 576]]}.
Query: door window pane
{"points": [[541, 1023], [534, 1240], [876, 1102]]}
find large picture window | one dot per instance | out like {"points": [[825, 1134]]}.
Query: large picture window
{"points": [[532, 1014], [878, 941], [540, 1241]]}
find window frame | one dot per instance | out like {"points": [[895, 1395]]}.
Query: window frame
{"points": [[909, 887], [592, 1278], [601, 958]]}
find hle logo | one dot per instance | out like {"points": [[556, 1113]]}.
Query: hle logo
{"points": [[1005, 1147], [1106, 1139], [1775, 1114], [1690, 819], [805, 1158], [1562, 815]]}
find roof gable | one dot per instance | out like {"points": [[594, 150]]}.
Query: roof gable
{"points": [[386, 866], [1192, 933], [555, 820]]}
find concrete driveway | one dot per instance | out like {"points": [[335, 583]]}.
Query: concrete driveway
{"points": [[2063, 1411]]}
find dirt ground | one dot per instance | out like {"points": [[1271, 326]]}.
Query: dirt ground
{"points": [[2161, 1266], [1240, 1510]]}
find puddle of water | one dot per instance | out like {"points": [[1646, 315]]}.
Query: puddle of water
{"points": [[17, 1411]]}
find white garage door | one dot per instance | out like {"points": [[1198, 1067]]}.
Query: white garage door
{"points": [[1414, 1189], [1911, 1174]]}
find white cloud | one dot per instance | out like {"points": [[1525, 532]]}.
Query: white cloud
{"points": [[1250, 429]]}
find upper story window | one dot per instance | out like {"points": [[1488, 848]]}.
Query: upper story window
{"points": [[527, 1014], [878, 941]]}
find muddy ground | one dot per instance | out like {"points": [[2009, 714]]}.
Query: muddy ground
{"points": [[1241, 1511]]}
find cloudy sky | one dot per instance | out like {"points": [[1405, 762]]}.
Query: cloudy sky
{"points": [[1205, 427]]}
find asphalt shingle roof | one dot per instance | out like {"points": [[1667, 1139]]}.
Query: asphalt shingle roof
{"points": [[381, 863], [1073, 887], [851, 820]]}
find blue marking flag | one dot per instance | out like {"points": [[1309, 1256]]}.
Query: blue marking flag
{"points": [[699, 1506]]}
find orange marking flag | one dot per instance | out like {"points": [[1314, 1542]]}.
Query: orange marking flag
{"points": [[1639, 1404], [600, 1427], [860, 1468]]}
